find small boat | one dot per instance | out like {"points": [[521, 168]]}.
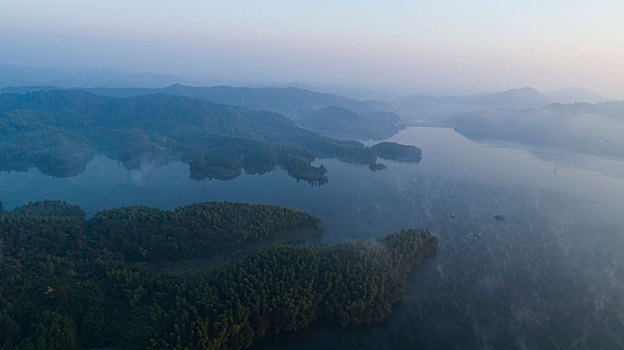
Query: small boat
{"points": [[500, 217], [452, 215], [471, 234], [479, 235]]}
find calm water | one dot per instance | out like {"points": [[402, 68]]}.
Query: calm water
{"points": [[550, 277]]}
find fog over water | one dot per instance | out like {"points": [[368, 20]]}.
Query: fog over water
{"points": [[550, 276]]}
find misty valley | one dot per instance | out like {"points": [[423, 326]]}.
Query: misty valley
{"points": [[282, 218], [305, 175]]}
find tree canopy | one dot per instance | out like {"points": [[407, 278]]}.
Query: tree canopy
{"points": [[67, 283]]}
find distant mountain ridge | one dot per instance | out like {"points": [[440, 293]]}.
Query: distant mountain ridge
{"points": [[513, 99], [11, 75], [576, 95], [427, 109], [295, 103], [290, 101]]}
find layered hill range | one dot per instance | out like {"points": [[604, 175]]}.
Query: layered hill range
{"points": [[574, 119], [58, 131], [331, 114], [428, 109]]}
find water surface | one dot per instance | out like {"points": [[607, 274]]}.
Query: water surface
{"points": [[551, 276]]}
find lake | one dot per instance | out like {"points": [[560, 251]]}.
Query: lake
{"points": [[551, 276]]}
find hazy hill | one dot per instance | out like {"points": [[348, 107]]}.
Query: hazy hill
{"points": [[290, 101], [11, 75], [513, 99], [427, 109], [576, 95], [343, 123], [595, 129]]}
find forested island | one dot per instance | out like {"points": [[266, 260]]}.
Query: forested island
{"points": [[377, 166], [397, 152], [58, 132], [69, 283]]}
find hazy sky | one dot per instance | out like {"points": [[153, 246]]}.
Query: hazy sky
{"points": [[405, 45]]}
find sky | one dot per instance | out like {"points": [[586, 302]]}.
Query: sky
{"points": [[393, 45]]}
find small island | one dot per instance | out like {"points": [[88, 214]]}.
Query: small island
{"points": [[377, 166], [70, 283], [397, 152]]}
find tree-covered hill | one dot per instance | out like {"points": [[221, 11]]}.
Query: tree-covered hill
{"points": [[66, 284], [292, 102], [378, 120], [58, 131]]}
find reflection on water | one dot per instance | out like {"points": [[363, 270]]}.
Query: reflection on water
{"points": [[550, 276]]}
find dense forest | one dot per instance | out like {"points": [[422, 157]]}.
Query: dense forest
{"points": [[60, 131], [200, 230], [67, 283], [47, 208]]}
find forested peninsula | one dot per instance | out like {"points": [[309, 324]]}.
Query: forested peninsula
{"points": [[59, 131], [69, 283]]}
